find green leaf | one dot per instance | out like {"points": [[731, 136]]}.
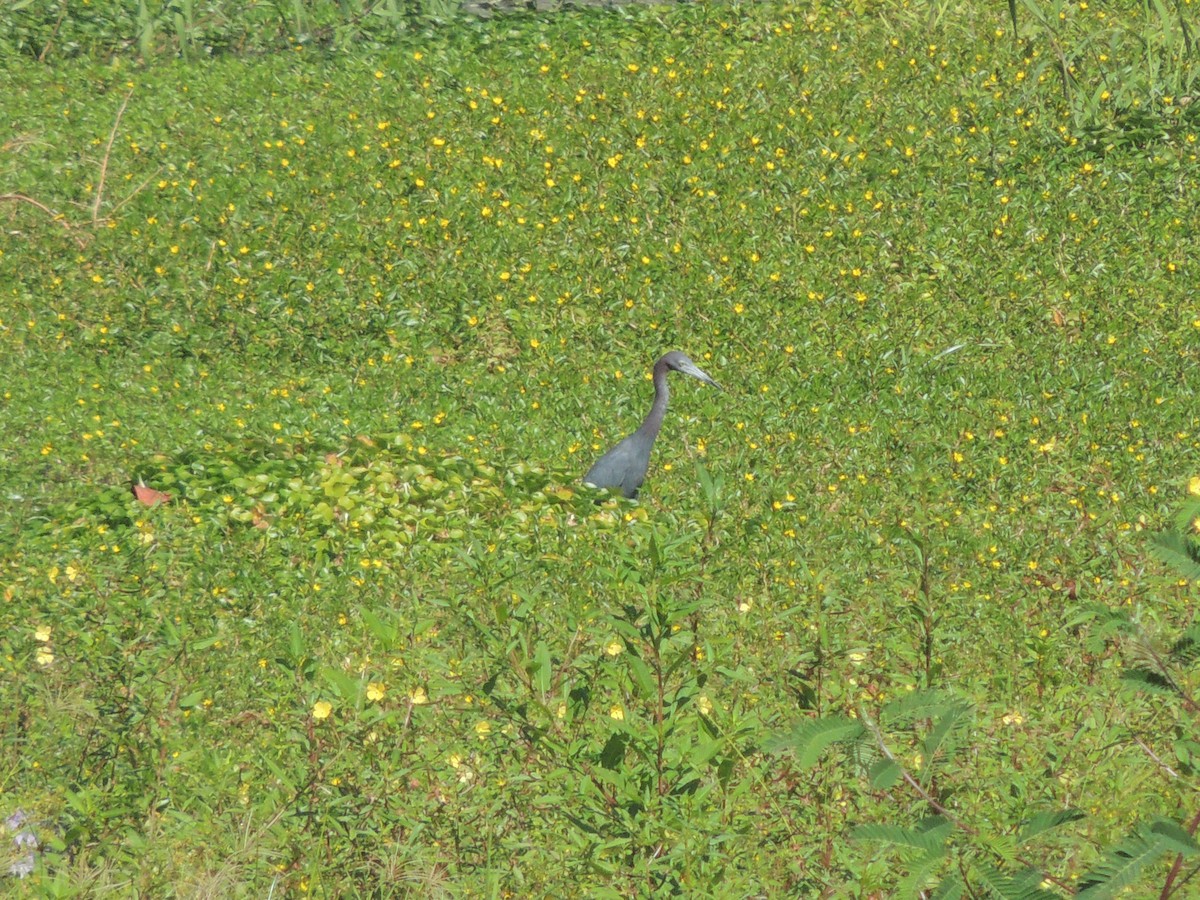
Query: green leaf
{"points": [[1174, 549], [1047, 821], [949, 888], [930, 836], [381, 630], [885, 773], [1123, 864], [703, 753], [613, 754], [943, 726], [1186, 649], [919, 705], [1187, 514], [543, 667], [347, 687], [296, 644], [1147, 680], [1176, 836], [920, 873], [642, 678], [1024, 885], [809, 739]]}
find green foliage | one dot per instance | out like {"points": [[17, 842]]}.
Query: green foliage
{"points": [[1178, 547], [1124, 864], [1125, 78], [809, 739], [928, 836], [366, 307], [200, 28]]}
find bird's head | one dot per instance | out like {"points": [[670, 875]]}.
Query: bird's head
{"points": [[679, 362]]}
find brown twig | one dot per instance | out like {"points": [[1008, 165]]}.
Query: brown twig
{"points": [[104, 163], [57, 217], [1169, 884], [1154, 756], [53, 34]]}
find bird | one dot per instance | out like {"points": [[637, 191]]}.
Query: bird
{"points": [[624, 466]]}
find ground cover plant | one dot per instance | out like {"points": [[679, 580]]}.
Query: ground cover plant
{"points": [[303, 352]]}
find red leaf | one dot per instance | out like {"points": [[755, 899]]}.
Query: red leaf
{"points": [[149, 496]]}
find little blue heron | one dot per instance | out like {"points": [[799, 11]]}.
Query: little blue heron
{"points": [[624, 466]]}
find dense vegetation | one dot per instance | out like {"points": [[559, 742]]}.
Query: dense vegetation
{"points": [[351, 316]]}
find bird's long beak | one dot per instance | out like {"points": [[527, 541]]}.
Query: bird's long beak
{"points": [[695, 371]]}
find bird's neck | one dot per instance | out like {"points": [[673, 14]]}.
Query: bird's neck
{"points": [[661, 393]]}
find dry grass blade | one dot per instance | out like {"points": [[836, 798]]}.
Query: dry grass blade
{"points": [[112, 136]]}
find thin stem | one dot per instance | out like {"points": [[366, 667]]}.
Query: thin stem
{"points": [[57, 217], [1154, 756], [112, 136], [53, 34]]}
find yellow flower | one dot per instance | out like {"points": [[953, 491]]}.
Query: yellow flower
{"points": [[321, 709], [704, 704], [1194, 485], [614, 647], [617, 713], [418, 697], [42, 633], [375, 691], [44, 656], [484, 728]]}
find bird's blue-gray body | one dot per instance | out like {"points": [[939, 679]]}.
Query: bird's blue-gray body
{"points": [[624, 466]]}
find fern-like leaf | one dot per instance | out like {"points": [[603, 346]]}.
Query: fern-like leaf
{"points": [[1174, 549], [884, 774], [811, 738], [1175, 836], [866, 755], [920, 873], [1024, 885], [944, 725], [929, 836], [917, 705], [1186, 650], [1048, 821], [1144, 652], [1147, 680], [1123, 864], [949, 888], [1185, 516], [1001, 846]]}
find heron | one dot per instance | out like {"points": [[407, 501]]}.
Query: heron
{"points": [[624, 466]]}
